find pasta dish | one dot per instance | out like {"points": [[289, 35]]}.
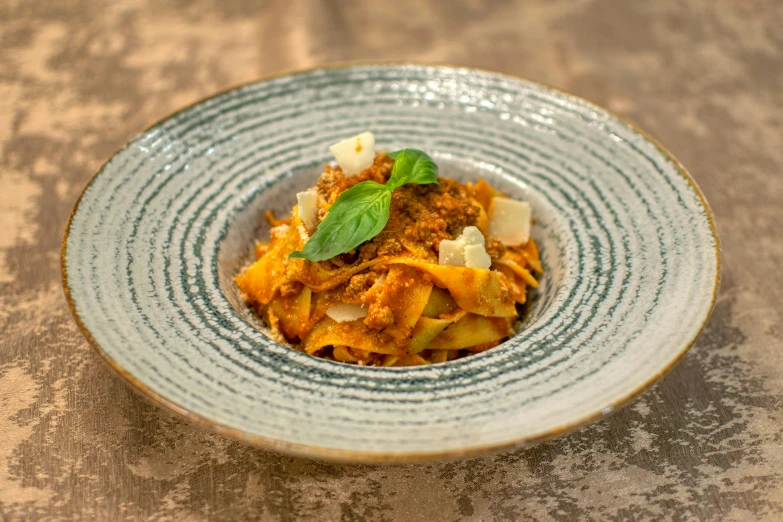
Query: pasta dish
{"points": [[383, 263]]}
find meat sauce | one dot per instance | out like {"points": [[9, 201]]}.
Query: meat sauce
{"points": [[420, 216]]}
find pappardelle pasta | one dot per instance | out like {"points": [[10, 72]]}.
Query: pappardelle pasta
{"points": [[442, 279]]}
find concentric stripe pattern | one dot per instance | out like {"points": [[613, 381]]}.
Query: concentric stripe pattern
{"points": [[154, 243]]}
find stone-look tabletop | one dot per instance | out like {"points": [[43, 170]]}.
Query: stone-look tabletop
{"points": [[78, 79]]}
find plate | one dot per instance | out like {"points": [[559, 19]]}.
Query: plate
{"points": [[628, 243]]}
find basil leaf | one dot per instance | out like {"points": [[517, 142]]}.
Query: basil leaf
{"points": [[359, 214], [412, 166]]}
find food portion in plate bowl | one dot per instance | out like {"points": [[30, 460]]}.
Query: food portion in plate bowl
{"points": [[383, 263]]}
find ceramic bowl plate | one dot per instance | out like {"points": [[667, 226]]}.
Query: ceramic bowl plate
{"points": [[628, 243]]}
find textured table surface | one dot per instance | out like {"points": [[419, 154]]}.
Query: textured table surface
{"points": [[77, 79]]}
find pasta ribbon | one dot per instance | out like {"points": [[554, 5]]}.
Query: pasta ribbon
{"points": [[428, 329], [263, 278], [354, 334], [477, 290], [472, 330], [439, 302], [293, 313], [417, 312], [405, 292]]}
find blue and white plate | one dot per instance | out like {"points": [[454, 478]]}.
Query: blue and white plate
{"points": [[628, 243]]}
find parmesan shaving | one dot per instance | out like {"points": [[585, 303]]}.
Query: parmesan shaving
{"points": [[451, 253], [346, 312], [467, 250], [308, 208], [509, 221], [477, 257], [355, 154]]}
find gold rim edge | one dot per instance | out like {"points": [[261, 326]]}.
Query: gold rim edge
{"points": [[347, 456]]}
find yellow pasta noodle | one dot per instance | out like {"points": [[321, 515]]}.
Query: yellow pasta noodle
{"points": [[389, 302]]}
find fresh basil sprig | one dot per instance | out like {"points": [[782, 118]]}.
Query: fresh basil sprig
{"points": [[361, 212], [411, 166]]}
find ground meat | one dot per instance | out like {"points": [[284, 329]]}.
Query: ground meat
{"points": [[358, 285], [379, 317], [291, 288], [495, 248], [420, 216], [345, 259], [333, 182]]}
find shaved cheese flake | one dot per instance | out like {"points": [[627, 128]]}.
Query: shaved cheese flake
{"points": [[308, 208], [346, 312], [451, 253], [476, 257], [509, 221], [355, 154], [471, 236], [467, 250]]}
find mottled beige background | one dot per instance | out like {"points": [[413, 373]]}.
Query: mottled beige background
{"points": [[78, 78]]}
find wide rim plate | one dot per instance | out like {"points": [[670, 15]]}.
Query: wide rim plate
{"points": [[628, 240]]}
